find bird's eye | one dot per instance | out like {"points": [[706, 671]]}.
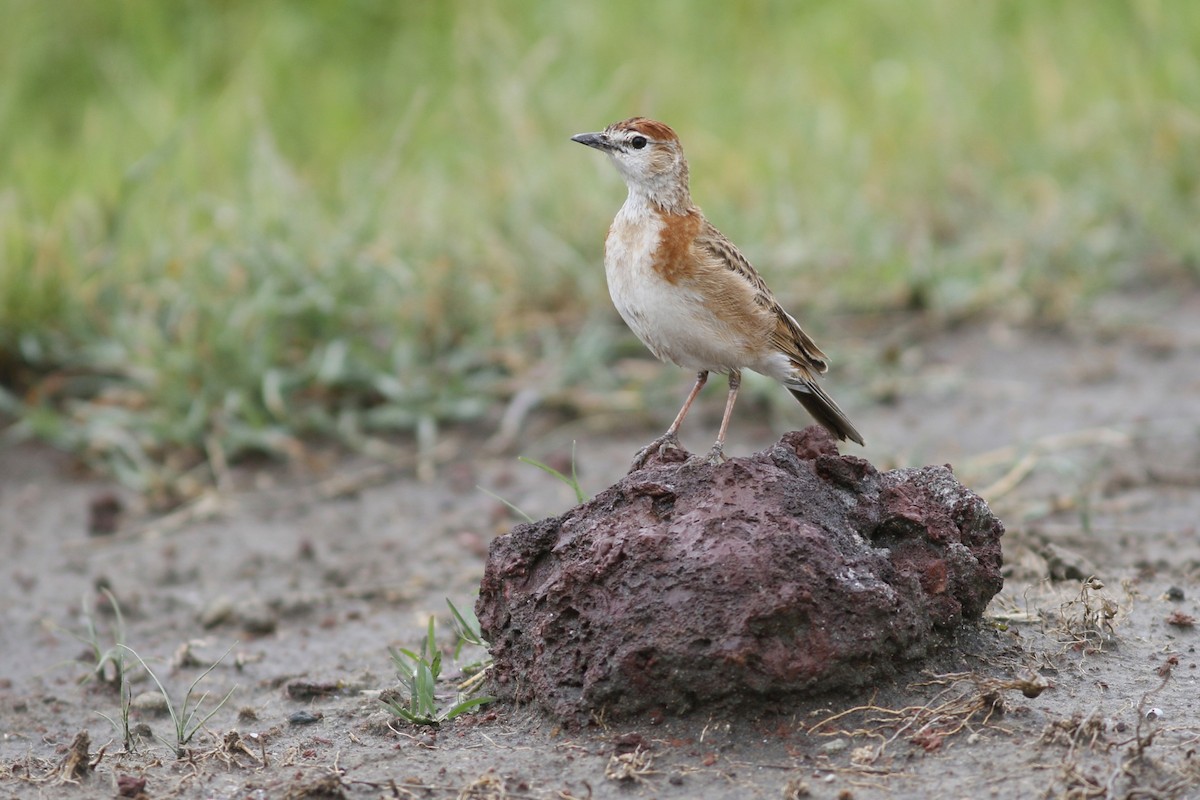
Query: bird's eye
{"points": [[638, 142]]}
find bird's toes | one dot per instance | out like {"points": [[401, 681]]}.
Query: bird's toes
{"points": [[656, 449], [710, 459], [644, 455], [716, 455], [667, 442]]}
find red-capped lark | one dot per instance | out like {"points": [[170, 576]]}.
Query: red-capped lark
{"points": [[689, 294]]}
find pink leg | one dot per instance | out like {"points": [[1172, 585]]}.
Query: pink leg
{"points": [[687, 404], [716, 454], [671, 437]]}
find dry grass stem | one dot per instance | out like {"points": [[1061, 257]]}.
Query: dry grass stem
{"points": [[634, 766], [968, 700], [485, 787]]}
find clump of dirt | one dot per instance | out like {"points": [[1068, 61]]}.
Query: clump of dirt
{"points": [[794, 571]]}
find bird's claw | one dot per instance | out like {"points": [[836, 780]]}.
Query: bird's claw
{"points": [[658, 447], [712, 458]]}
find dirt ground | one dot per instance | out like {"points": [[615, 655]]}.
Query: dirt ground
{"points": [[1081, 682]]}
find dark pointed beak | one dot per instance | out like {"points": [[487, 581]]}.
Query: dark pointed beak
{"points": [[596, 140]]}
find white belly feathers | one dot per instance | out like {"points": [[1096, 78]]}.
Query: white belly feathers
{"points": [[671, 321]]}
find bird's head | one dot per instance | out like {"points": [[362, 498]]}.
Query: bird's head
{"points": [[649, 157]]}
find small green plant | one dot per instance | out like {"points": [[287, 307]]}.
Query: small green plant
{"points": [[186, 716], [466, 627], [571, 481], [419, 672], [121, 724], [108, 660]]}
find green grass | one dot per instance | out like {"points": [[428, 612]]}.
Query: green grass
{"points": [[234, 225], [186, 717], [420, 670]]}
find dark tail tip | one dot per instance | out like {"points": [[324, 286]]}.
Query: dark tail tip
{"points": [[826, 412]]}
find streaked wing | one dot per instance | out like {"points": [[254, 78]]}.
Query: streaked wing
{"points": [[787, 335]]}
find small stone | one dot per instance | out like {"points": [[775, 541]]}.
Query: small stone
{"points": [[1065, 564], [153, 703], [297, 605], [217, 611], [628, 742], [131, 786], [1181, 620], [1175, 594], [305, 718], [796, 789], [307, 690], [257, 619], [104, 514]]}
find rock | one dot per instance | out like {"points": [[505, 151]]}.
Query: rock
{"points": [[257, 618], [104, 514], [833, 747], [153, 703], [1064, 564], [309, 690], [216, 612], [794, 571], [131, 786], [305, 718]]}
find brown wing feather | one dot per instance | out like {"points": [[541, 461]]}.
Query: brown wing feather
{"points": [[787, 334]]}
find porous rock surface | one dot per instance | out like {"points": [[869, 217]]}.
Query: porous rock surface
{"points": [[794, 571]]}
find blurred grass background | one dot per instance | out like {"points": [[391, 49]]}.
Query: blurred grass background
{"points": [[225, 226]]}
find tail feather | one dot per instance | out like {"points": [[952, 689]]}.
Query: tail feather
{"points": [[824, 410]]}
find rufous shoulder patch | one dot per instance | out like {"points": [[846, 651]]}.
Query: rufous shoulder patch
{"points": [[673, 258]]}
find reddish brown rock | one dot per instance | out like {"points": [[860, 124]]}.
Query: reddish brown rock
{"points": [[794, 571]]}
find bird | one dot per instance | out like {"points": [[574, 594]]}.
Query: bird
{"points": [[690, 295]]}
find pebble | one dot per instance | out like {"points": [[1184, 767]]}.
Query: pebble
{"points": [[257, 619], [834, 746], [305, 718], [150, 703], [1066, 564], [216, 612]]}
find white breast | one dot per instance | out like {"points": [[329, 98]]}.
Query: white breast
{"points": [[670, 320]]}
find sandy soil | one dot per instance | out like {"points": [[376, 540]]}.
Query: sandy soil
{"points": [[1086, 442]]}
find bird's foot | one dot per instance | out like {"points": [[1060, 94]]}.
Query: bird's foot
{"points": [[710, 459], [657, 448]]}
